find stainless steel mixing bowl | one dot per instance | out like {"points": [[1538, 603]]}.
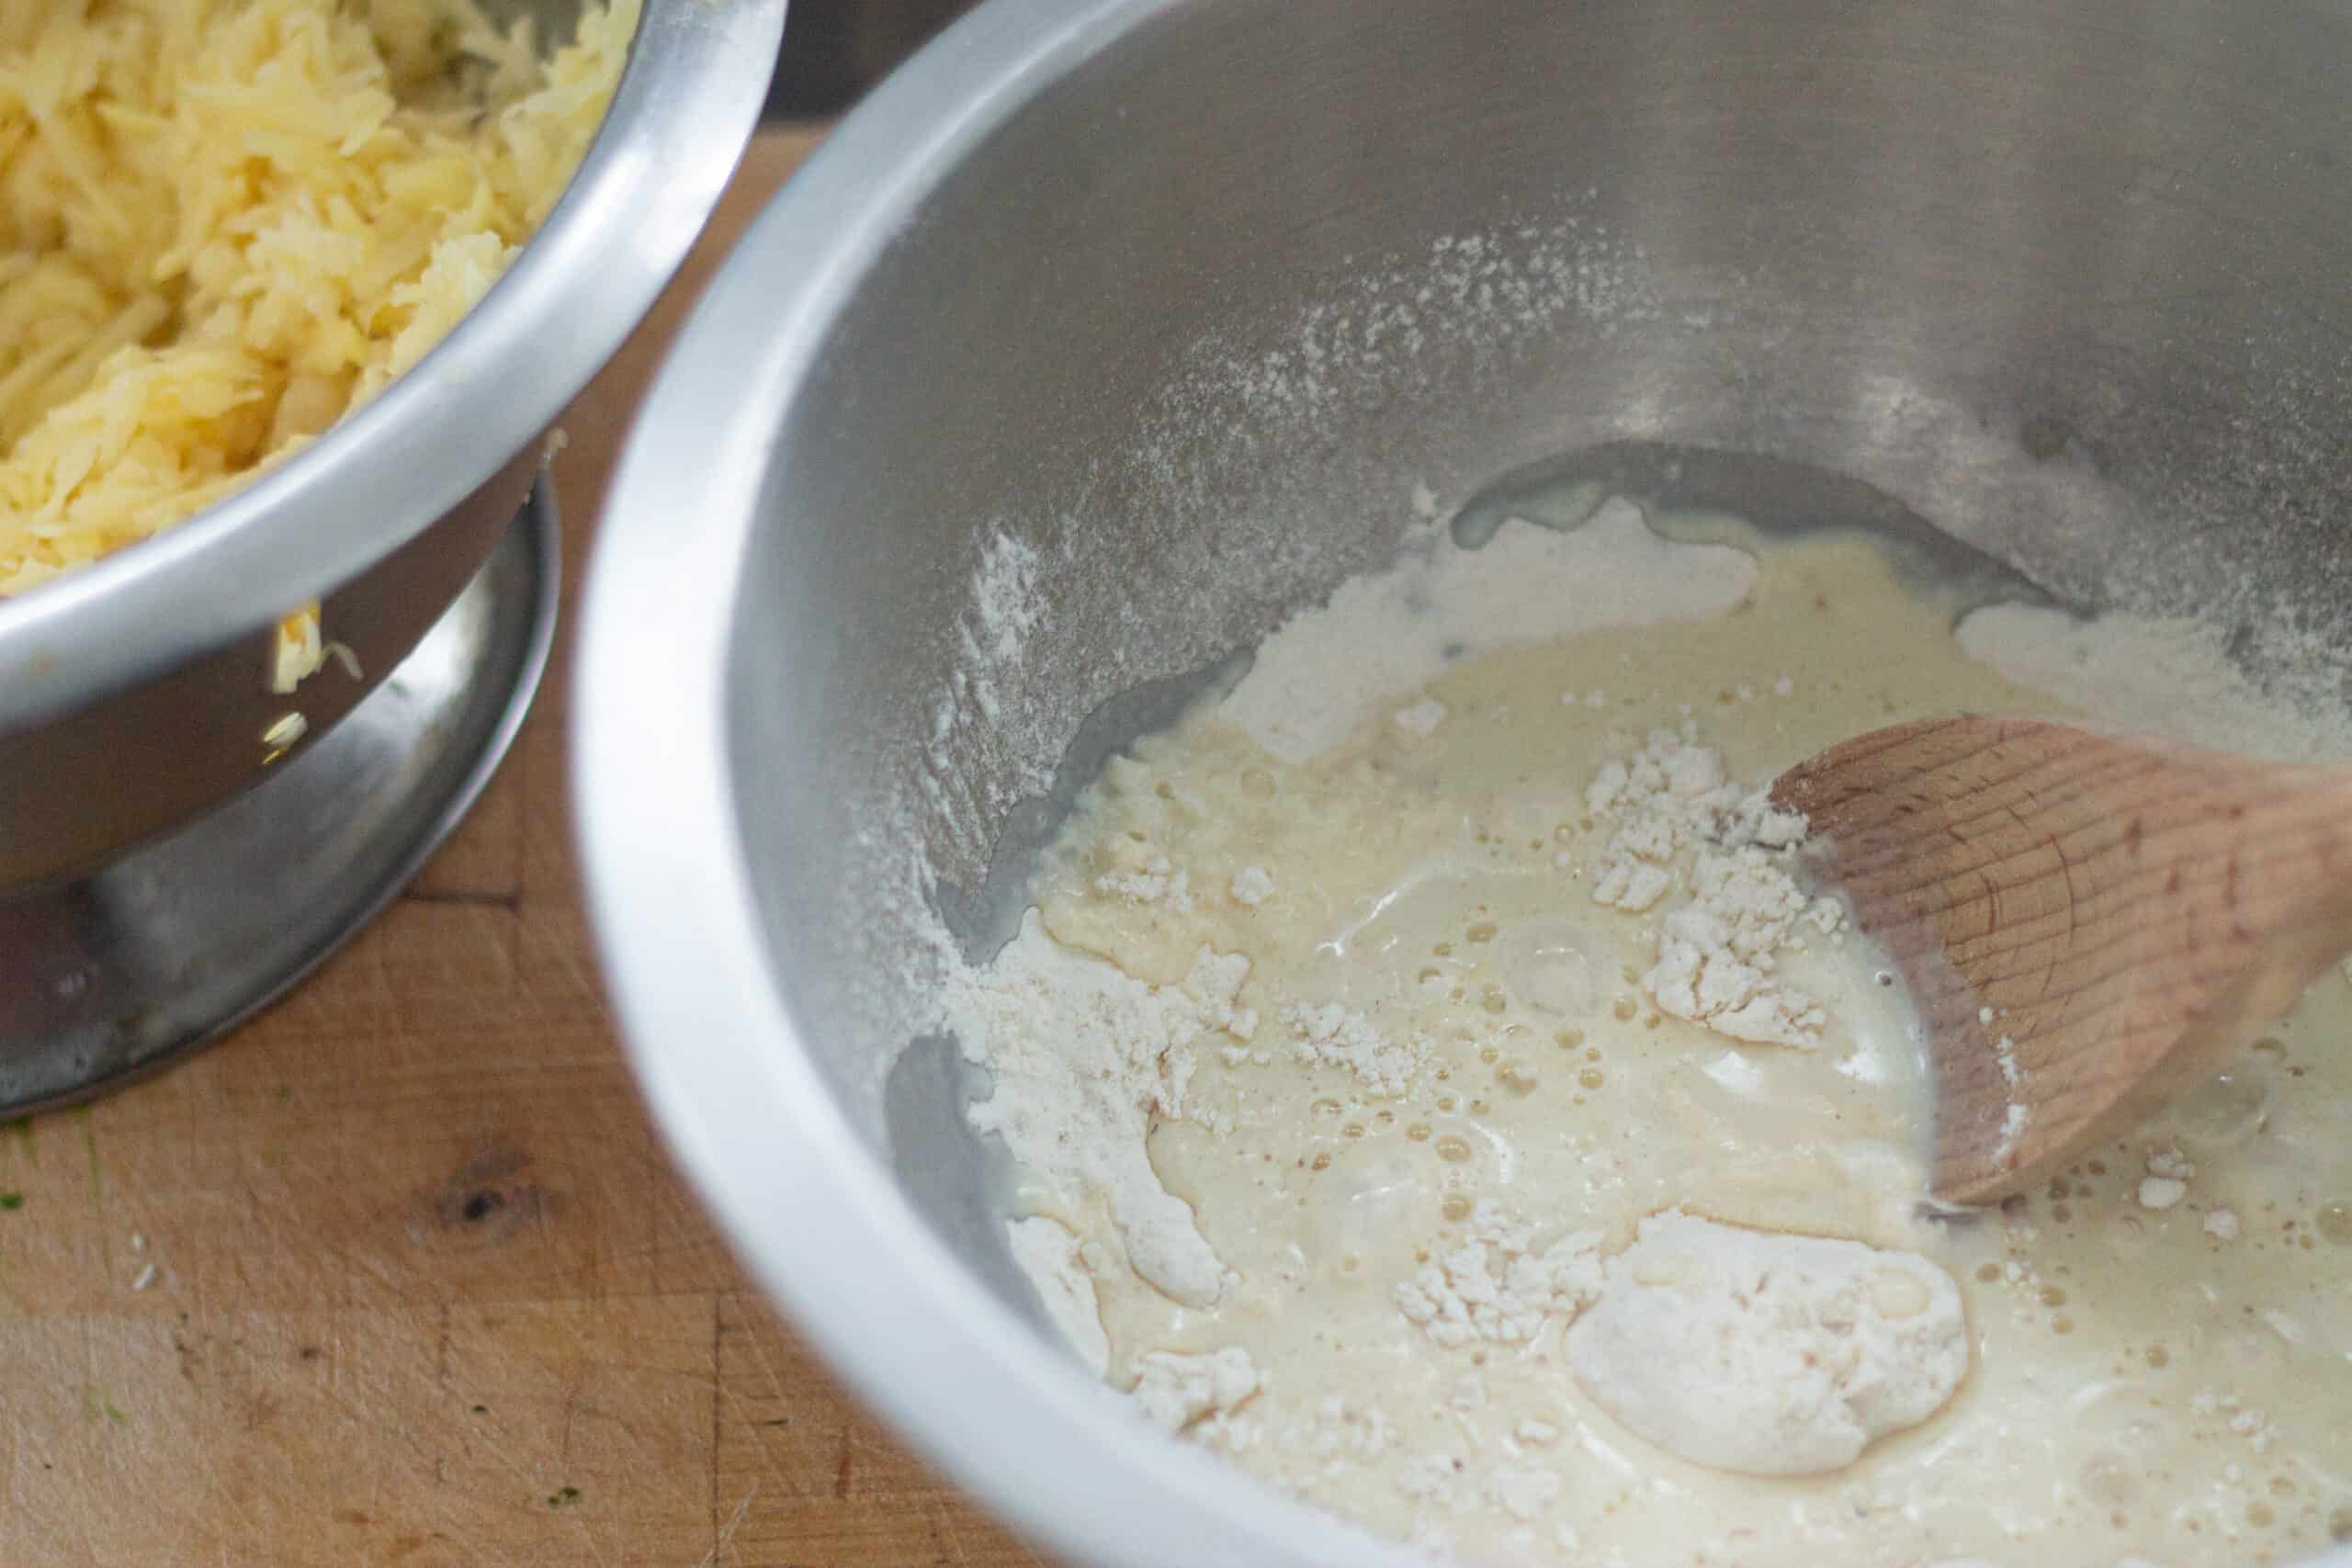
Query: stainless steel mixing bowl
{"points": [[133, 695], [1110, 331]]}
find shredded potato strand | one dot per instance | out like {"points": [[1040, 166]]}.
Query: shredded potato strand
{"points": [[226, 223]]}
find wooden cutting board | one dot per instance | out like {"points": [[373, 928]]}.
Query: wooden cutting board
{"points": [[399, 1274]]}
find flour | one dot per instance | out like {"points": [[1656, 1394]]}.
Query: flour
{"points": [[1083, 1055], [992, 643], [1422, 718], [1343, 1432], [1152, 882], [1173, 1390], [1768, 1354], [1388, 634], [1048, 1253], [2018, 1115], [1331, 1035], [1004, 611], [1500, 1285], [2231, 1412], [2167, 1184], [1717, 954], [1523, 1492], [2170, 677]]}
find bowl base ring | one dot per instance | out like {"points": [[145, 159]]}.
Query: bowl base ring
{"points": [[115, 974]]}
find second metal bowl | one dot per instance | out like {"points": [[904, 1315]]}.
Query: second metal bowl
{"points": [[133, 693]]}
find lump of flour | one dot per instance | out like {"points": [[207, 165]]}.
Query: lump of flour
{"points": [[1717, 961], [1084, 1053], [1768, 1354], [1172, 1389], [1501, 1284]]}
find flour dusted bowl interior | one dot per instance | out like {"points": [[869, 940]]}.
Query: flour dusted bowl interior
{"points": [[1108, 333]]}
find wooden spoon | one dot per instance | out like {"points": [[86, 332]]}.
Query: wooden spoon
{"points": [[2084, 919]]}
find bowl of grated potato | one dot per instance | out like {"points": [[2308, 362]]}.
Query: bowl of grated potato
{"points": [[290, 292]]}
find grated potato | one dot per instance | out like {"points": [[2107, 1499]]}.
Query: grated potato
{"points": [[226, 223]]}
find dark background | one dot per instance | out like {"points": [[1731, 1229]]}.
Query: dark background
{"points": [[835, 50]]}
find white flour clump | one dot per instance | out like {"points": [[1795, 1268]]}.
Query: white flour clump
{"points": [[1174, 1390], [1333, 1036], [1716, 956], [1154, 881], [1084, 1053], [1768, 1354], [1499, 1284]]}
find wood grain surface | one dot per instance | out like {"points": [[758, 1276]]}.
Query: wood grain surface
{"points": [[2085, 920], [399, 1274]]}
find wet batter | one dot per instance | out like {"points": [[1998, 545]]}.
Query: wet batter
{"points": [[1373, 1133]]}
